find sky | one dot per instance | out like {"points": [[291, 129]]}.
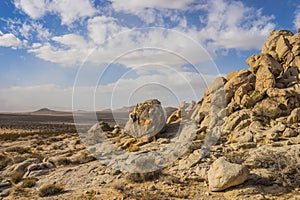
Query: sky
{"points": [[98, 54]]}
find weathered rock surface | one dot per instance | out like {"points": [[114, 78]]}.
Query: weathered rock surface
{"points": [[146, 120], [223, 174]]}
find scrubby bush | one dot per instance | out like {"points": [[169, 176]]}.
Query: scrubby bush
{"points": [[4, 161], [20, 150], [143, 177], [51, 189], [29, 182], [16, 176]]}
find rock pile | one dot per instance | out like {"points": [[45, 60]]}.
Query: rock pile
{"points": [[251, 118], [261, 104], [260, 97]]}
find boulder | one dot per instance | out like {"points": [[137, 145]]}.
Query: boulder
{"points": [[101, 126], [271, 42], [146, 120], [242, 77], [294, 117], [259, 60], [236, 120], [264, 79], [223, 174]]}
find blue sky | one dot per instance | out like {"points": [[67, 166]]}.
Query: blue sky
{"points": [[104, 54]]}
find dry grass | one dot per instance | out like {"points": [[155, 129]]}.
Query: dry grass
{"points": [[51, 189], [143, 177], [16, 176], [18, 149], [4, 161], [29, 182], [89, 195]]}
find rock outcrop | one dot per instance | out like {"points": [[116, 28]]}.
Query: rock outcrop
{"points": [[265, 93], [146, 120]]}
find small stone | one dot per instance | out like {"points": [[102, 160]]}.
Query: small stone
{"points": [[289, 133]]}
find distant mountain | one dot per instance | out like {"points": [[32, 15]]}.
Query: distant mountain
{"points": [[47, 111]]}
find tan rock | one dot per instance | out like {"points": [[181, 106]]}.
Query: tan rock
{"points": [[264, 79], [223, 174], [282, 47], [233, 121], [146, 120], [260, 60], [271, 42], [294, 116], [244, 76], [271, 108]]}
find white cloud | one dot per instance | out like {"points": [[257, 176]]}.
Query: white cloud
{"points": [[100, 28], [72, 40], [232, 25], [68, 10], [169, 88], [36, 45], [27, 30], [133, 6], [131, 48], [152, 11], [297, 18], [62, 56], [9, 40], [34, 8]]}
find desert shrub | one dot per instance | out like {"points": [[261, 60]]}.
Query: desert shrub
{"points": [[9, 136], [143, 177], [82, 158], [51, 189], [4, 161], [16, 176], [29, 182], [20, 150], [89, 195]]}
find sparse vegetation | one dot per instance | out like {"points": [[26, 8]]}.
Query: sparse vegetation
{"points": [[51, 189], [20, 150], [143, 177], [89, 195], [29, 182], [16, 176], [84, 157], [4, 161]]}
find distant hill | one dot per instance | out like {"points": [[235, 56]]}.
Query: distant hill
{"points": [[47, 111]]}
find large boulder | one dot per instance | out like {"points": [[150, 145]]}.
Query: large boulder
{"points": [[146, 120], [271, 42], [264, 79], [242, 77], [223, 174]]}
